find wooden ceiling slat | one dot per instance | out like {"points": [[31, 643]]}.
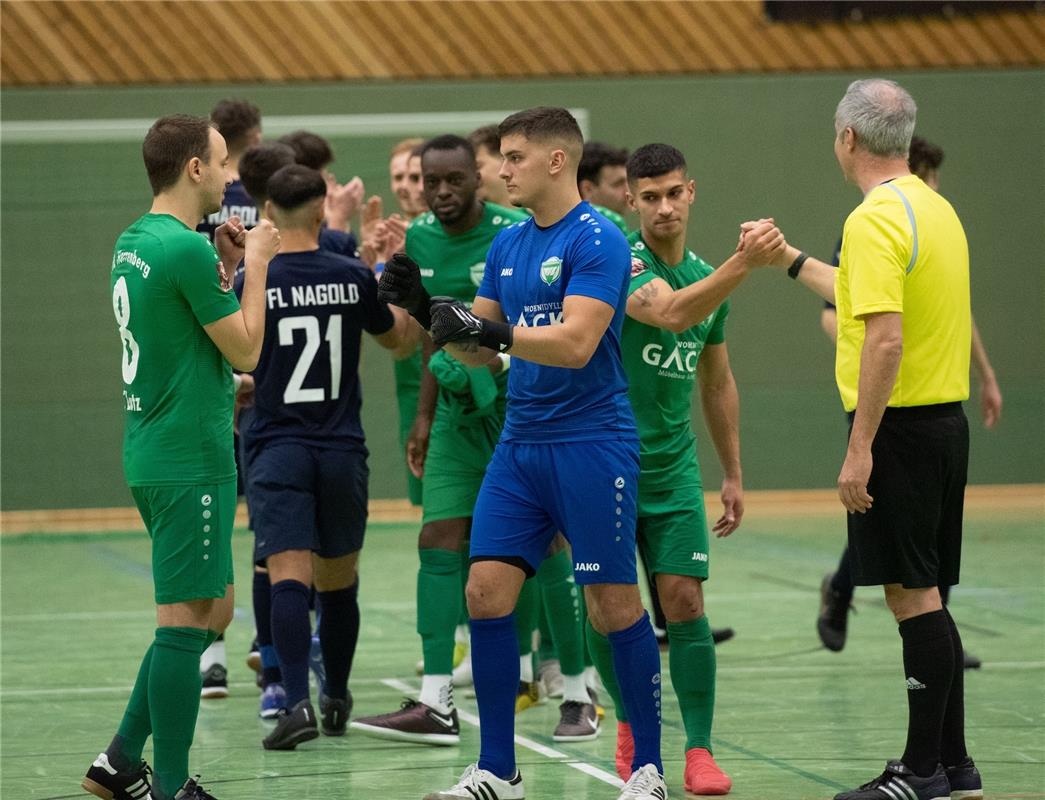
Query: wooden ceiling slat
{"points": [[57, 51], [87, 42], [18, 57], [645, 51]]}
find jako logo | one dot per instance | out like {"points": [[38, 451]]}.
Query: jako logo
{"points": [[586, 566], [506, 272]]}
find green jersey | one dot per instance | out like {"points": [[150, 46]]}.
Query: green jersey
{"points": [[177, 386], [613, 217], [661, 368], [453, 264]]}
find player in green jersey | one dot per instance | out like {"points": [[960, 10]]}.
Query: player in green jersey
{"points": [[603, 181], [180, 329], [674, 336]]}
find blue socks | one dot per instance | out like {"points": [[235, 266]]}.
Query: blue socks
{"points": [[338, 634], [636, 663], [495, 671], [292, 636]]}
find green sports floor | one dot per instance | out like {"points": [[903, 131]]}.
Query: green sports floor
{"points": [[793, 720]]}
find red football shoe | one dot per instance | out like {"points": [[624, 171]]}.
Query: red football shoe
{"points": [[703, 775]]}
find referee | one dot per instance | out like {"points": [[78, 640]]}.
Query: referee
{"points": [[902, 367]]}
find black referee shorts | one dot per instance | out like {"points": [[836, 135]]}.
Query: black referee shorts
{"points": [[912, 534]]}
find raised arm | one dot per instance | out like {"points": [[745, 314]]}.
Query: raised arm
{"points": [[239, 336]]}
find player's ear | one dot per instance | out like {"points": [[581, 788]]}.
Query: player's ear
{"points": [[194, 169], [631, 199], [691, 190], [557, 161], [269, 208], [318, 208]]}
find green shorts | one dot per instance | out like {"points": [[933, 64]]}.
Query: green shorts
{"points": [[672, 531], [454, 469], [191, 532], [408, 383]]}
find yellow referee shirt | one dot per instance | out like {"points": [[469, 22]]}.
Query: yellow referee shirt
{"points": [[904, 250]]}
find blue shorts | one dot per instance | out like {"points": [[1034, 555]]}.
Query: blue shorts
{"points": [[587, 490], [307, 498]]}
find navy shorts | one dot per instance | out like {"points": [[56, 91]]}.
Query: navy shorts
{"points": [[587, 490], [307, 498]]}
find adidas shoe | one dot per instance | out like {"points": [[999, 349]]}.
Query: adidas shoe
{"points": [[703, 776], [273, 701], [578, 722], [625, 750], [334, 714], [480, 783], [191, 790], [293, 727], [528, 696], [215, 683], [315, 663], [413, 722], [645, 784], [833, 621], [899, 783], [105, 781], [965, 781]]}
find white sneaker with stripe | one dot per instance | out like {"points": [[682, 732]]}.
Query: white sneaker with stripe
{"points": [[645, 783], [480, 784]]}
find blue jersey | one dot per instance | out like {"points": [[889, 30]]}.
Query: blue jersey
{"points": [[307, 379], [530, 271], [344, 244], [235, 203]]}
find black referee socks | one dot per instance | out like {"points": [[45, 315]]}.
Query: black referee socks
{"points": [[929, 666]]}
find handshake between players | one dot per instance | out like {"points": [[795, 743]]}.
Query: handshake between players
{"points": [[448, 320]]}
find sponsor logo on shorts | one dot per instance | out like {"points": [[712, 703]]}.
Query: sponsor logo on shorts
{"points": [[914, 683], [699, 557], [587, 566]]}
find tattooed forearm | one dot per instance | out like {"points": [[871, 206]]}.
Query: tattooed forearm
{"points": [[646, 293]]}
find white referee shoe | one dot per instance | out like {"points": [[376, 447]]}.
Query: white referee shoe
{"points": [[477, 782], [645, 784]]}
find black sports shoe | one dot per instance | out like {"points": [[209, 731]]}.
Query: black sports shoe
{"points": [[965, 781], [191, 790], [215, 682], [969, 661], [103, 780], [292, 728], [833, 620], [899, 783], [334, 713], [720, 635]]}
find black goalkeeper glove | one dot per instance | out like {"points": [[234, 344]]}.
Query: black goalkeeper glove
{"points": [[452, 322], [401, 285]]}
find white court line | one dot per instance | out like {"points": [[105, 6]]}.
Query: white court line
{"points": [[89, 690], [522, 741], [35, 131]]}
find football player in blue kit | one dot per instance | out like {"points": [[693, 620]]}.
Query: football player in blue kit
{"points": [[553, 296], [308, 471], [239, 122]]}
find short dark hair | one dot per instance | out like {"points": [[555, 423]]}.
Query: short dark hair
{"points": [[310, 149], [542, 122], [259, 164], [294, 185], [169, 145], [486, 136], [924, 157], [596, 156], [233, 119], [448, 141], [654, 160]]}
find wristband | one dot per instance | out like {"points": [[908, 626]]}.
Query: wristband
{"points": [[796, 266], [496, 335]]}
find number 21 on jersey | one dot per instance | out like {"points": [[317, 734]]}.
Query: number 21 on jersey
{"points": [[295, 393]]}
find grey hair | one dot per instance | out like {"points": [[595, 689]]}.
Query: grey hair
{"points": [[882, 114]]}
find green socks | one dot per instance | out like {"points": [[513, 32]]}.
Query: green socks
{"points": [[438, 608], [174, 702], [125, 752], [527, 610], [691, 656], [602, 655], [561, 602]]}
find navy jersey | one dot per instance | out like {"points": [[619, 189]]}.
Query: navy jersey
{"points": [[235, 203], [344, 244], [530, 271], [307, 379]]}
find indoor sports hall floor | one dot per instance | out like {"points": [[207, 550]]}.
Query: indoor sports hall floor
{"points": [[793, 720]]}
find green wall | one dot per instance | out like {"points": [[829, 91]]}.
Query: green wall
{"points": [[758, 146]]}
